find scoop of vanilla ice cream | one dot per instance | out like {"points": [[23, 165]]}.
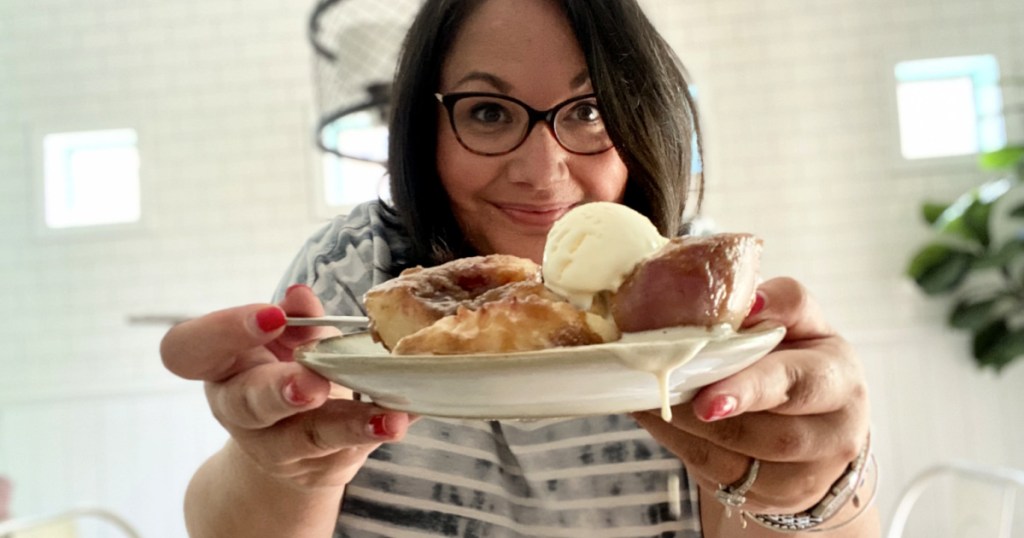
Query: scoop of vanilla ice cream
{"points": [[593, 247]]}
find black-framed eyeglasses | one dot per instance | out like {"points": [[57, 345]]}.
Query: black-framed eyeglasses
{"points": [[495, 124]]}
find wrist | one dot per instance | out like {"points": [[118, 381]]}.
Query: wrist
{"points": [[232, 495], [247, 469], [847, 498]]}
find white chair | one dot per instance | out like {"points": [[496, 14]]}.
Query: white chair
{"points": [[999, 482], [63, 524]]}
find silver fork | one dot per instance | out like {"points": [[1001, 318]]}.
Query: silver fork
{"points": [[341, 322]]}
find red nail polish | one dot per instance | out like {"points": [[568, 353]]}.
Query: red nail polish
{"points": [[379, 426], [758, 304], [721, 407], [270, 319]]}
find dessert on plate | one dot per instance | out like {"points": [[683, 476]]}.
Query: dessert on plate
{"points": [[606, 271]]}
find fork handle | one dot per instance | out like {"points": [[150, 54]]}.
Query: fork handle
{"points": [[333, 321]]}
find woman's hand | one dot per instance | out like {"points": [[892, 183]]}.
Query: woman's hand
{"points": [[802, 411], [278, 412]]}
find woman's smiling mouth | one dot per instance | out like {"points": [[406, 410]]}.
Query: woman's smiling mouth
{"points": [[529, 215]]}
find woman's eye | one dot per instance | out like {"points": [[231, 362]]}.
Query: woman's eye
{"points": [[490, 113], [586, 112]]}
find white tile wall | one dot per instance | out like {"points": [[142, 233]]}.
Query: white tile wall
{"points": [[220, 95], [802, 149]]}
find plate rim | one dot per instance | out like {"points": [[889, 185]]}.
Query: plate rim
{"points": [[310, 352], [446, 368]]}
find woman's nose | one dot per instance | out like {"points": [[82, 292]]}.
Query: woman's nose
{"points": [[540, 161]]}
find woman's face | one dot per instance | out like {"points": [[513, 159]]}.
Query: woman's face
{"points": [[506, 203]]}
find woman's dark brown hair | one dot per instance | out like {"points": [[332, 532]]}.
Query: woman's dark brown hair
{"points": [[641, 87]]}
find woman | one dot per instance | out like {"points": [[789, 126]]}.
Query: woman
{"points": [[615, 124]]}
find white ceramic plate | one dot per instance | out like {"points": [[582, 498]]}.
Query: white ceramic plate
{"points": [[608, 378]]}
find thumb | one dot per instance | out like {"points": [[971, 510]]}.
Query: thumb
{"points": [[208, 347], [787, 302], [299, 300]]}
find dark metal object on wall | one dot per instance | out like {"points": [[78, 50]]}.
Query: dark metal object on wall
{"points": [[356, 45]]}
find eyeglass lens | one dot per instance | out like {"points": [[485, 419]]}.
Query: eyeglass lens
{"points": [[493, 125]]}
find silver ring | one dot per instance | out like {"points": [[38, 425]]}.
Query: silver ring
{"points": [[734, 495]]}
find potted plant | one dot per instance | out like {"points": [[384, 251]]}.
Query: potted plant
{"points": [[976, 256]]}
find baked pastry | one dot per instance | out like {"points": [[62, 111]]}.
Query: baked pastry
{"points": [[510, 324], [420, 296], [700, 281], [482, 304]]}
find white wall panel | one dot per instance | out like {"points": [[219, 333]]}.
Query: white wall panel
{"points": [[130, 452]]}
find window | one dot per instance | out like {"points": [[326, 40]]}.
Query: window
{"points": [[350, 181], [90, 178], [949, 106], [696, 164]]}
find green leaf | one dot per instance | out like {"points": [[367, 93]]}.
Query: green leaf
{"points": [[1002, 257], [974, 315], [939, 268], [1001, 159], [976, 221], [968, 216], [932, 211], [996, 345]]}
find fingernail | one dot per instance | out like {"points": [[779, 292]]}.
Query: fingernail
{"points": [[295, 394], [270, 319], [379, 426], [293, 287], [721, 407], [758, 304]]}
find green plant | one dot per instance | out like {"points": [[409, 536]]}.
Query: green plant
{"points": [[977, 256]]}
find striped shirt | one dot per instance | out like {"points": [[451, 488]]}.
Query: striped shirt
{"points": [[595, 476]]}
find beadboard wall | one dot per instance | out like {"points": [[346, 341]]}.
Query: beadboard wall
{"points": [[802, 148]]}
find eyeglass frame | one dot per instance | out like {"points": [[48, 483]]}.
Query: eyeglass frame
{"points": [[448, 100]]}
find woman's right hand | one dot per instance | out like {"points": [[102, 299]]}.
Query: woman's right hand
{"points": [[278, 412]]}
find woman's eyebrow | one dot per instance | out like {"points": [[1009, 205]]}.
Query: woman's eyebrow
{"points": [[579, 80], [499, 84], [503, 86]]}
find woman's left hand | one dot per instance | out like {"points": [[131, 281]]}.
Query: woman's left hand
{"points": [[802, 411]]}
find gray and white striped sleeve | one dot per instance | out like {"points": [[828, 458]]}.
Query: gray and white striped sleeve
{"points": [[344, 259]]}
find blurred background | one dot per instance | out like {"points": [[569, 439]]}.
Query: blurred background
{"points": [[159, 159]]}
